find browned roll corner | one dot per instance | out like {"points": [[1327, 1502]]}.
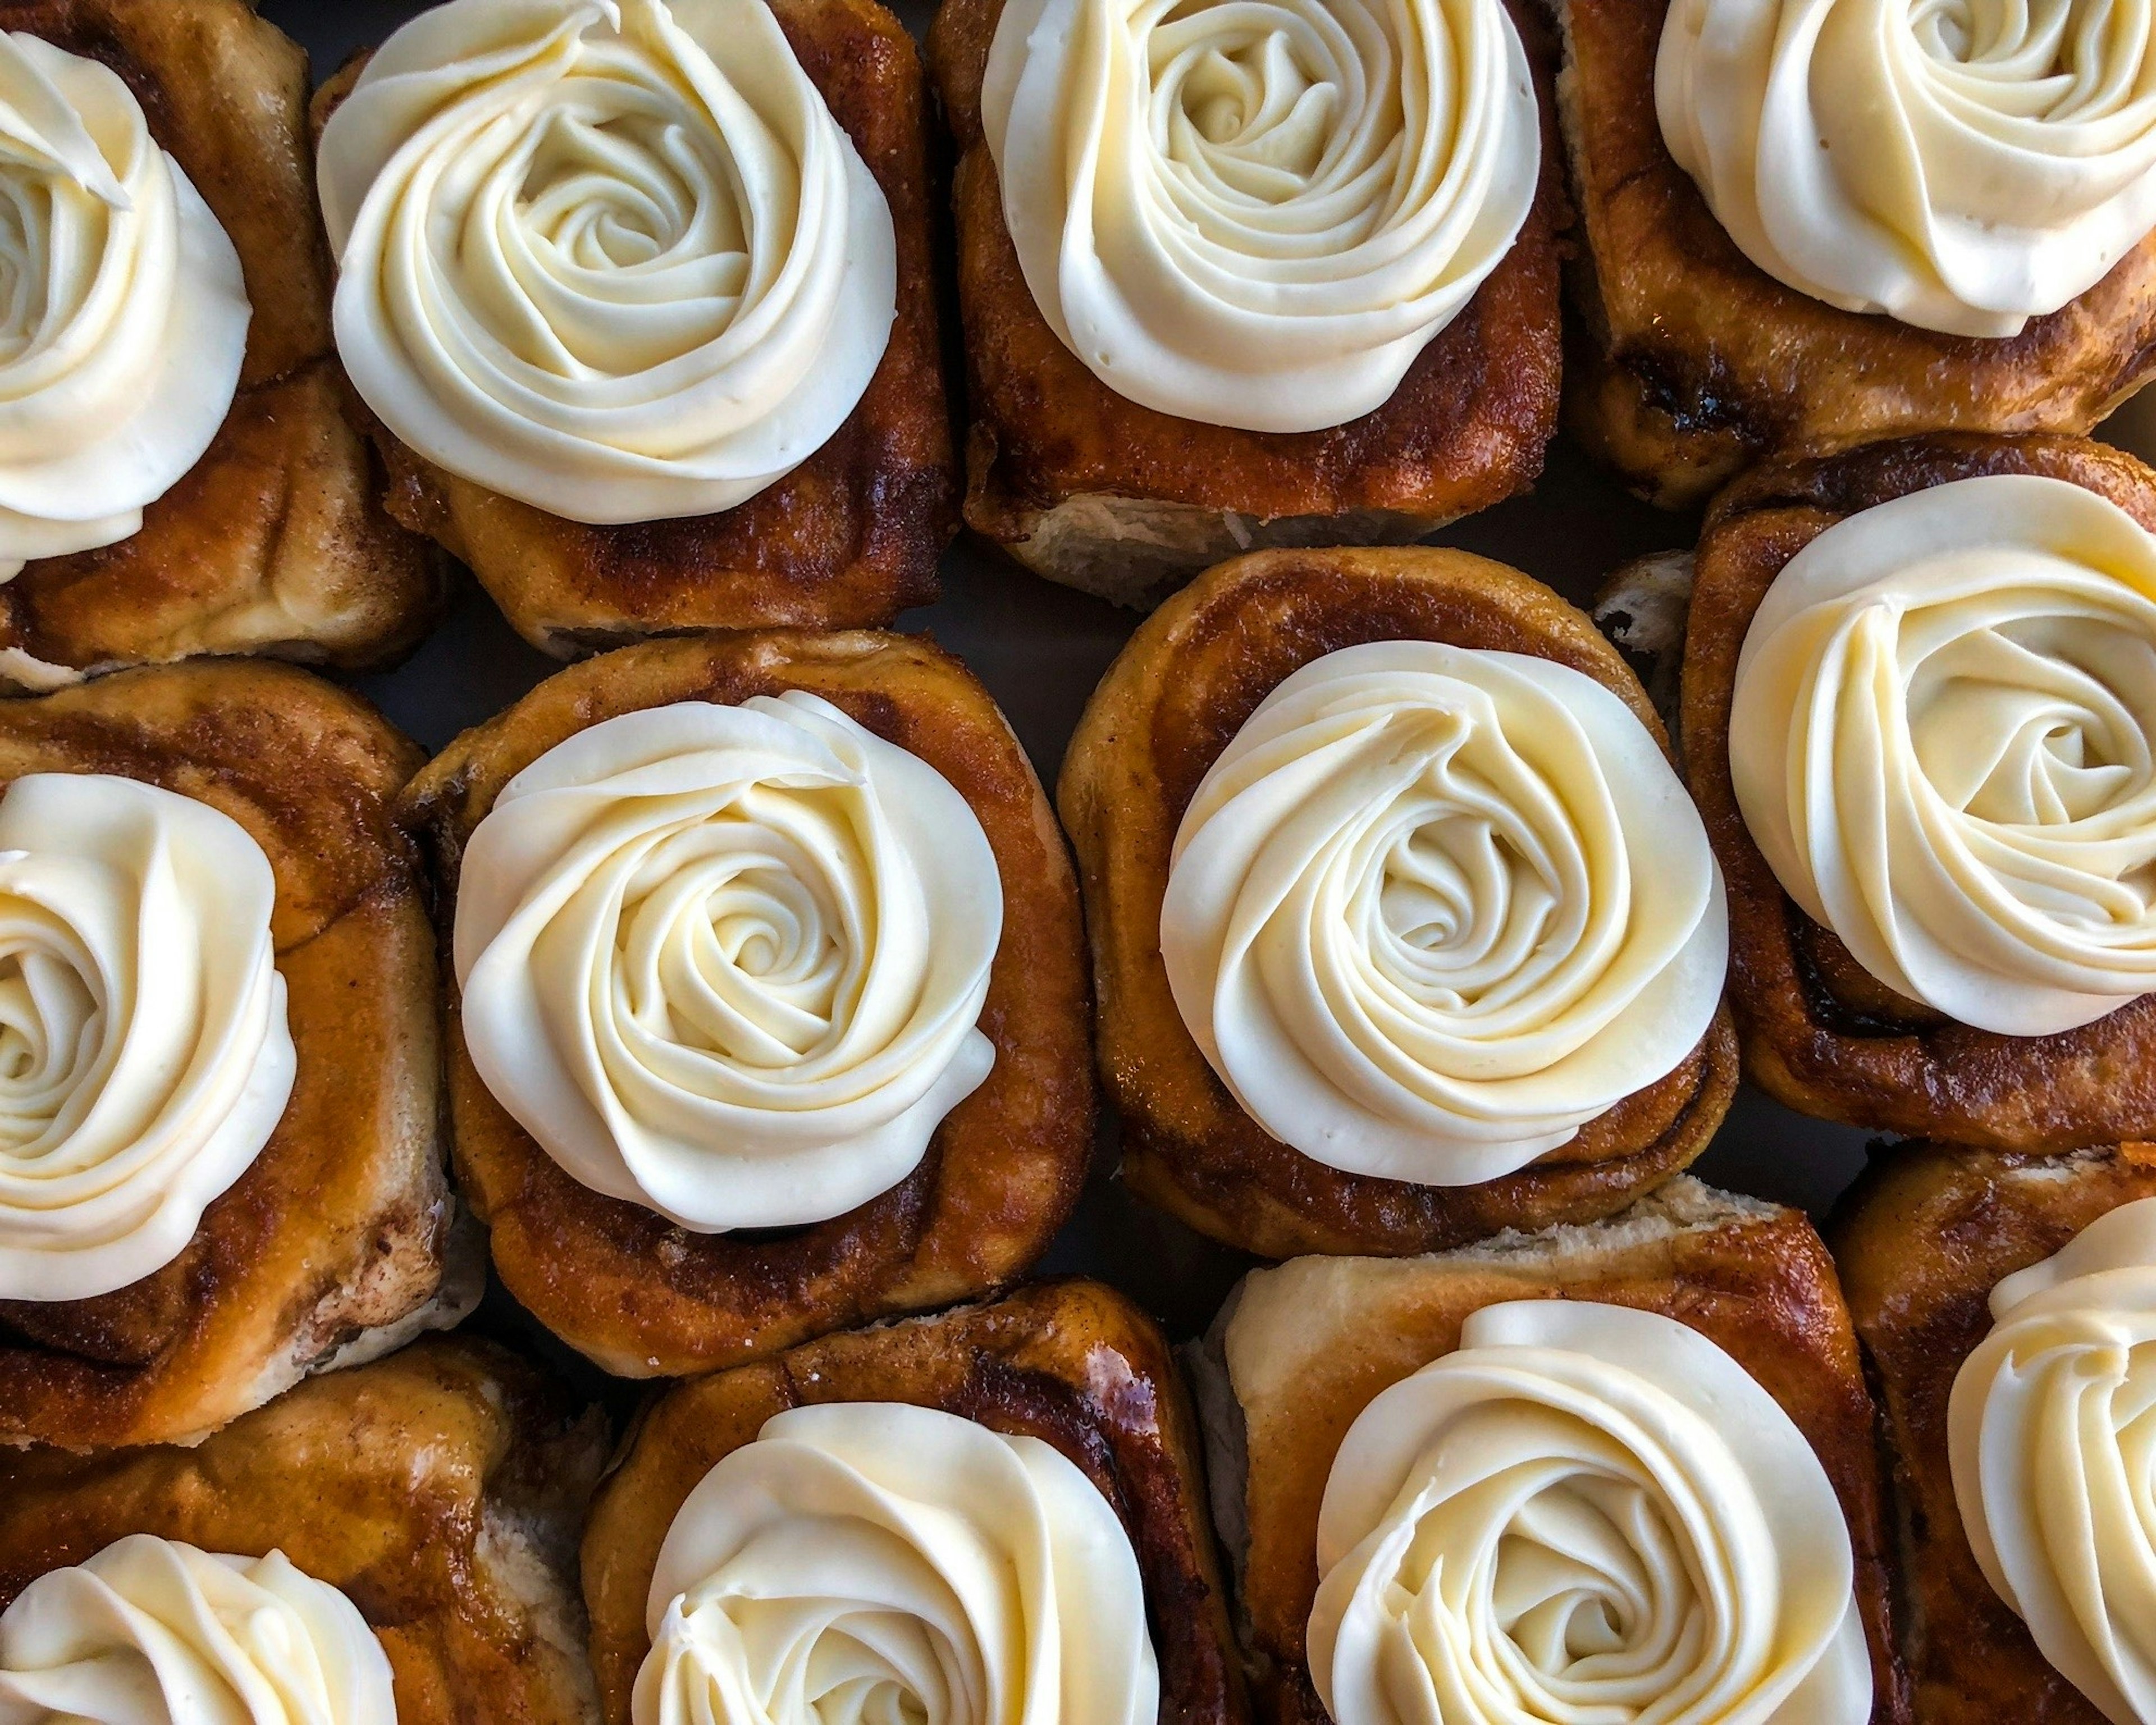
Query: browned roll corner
{"points": [[1819, 1032], [441, 1490], [340, 1239], [1180, 692], [276, 542], [1073, 1364], [645, 1297]]}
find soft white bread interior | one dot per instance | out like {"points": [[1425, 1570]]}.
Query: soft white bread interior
{"points": [[1136, 551]]}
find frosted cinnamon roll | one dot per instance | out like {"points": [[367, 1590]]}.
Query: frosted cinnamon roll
{"points": [[123, 314], [1434, 908], [1942, 738], [152, 1629], [1585, 1512], [2047, 1433], [613, 259], [1257, 214], [728, 963], [864, 1562], [145, 1057], [1963, 166]]}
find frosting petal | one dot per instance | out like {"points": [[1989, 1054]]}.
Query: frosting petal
{"points": [[1257, 213], [1411, 919], [145, 1058], [2048, 1431], [1943, 736], [153, 1632], [612, 257], [1585, 1513], [728, 963], [866, 1563], [123, 312], [1963, 166]]}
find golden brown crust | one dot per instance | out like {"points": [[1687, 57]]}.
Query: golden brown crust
{"points": [[275, 543], [1694, 362], [644, 1298], [1921, 1239], [1466, 428], [441, 1490], [340, 1226], [850, 537], [1072, 1364], [1763, 1289], [1819, 1033], [1169, 705]]}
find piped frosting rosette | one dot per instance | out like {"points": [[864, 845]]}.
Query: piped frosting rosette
{"points": [[1961, 165], [2051, 1434], [145, 1058], [1584, 1513], [728, 963], [1942, 737], [1435, 908], [863, 1564], [1257, 213], [123, 312], [612, 257], [153, 1632]]}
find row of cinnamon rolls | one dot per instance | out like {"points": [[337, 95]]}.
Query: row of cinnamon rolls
{"points": [[617, 260]]}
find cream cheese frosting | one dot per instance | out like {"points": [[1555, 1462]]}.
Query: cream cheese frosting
{"points": [[1257, 213], [1586, 1513], [153, 1632], [728, 963], [145, 1058], [1942, 737], [1961, 165], [862, 1564], [2047, 1432], [614, 258], [1435, 908], [123, 312]]}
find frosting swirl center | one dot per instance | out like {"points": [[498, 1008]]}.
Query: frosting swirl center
{"points": [[729, 963], [1961, 165], [1526, 1529], [123, 312], [867, 1563], [2050, 1438], [1409, 918], [1943, 736], [152, 1630], [1258, 213], [145, 1058], [615, 259]]}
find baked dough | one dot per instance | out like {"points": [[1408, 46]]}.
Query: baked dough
{"points": [[645, 1298], [1820, 1034], [340, 1240], [1694, 363], [275, 542], [851, 536], [1922, 1240], [441, 1490], [1167, 708], [1072, 1364], [1319, 1343], [1088, 489]]}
